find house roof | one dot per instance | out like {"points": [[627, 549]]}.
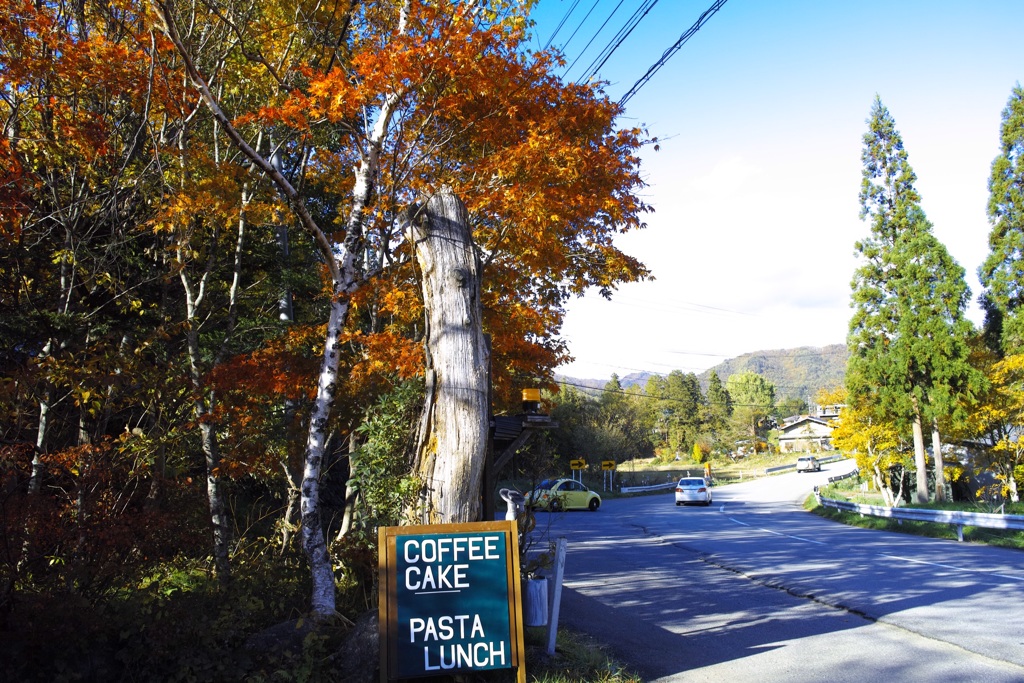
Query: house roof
{"points": [[803, 420]]}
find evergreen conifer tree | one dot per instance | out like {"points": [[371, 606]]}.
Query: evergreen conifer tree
{"points": [[908, 335], [718, 407], [1002, 273]]}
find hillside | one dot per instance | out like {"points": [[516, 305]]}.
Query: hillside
{"points": [[797, 373]]}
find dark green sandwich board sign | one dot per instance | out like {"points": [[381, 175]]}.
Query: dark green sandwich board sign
{"points": [[449, 600]]}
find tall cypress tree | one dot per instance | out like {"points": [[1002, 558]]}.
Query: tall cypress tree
{"points": [[1002, 273], [908, 350]]}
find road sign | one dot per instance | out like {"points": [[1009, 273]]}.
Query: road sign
{"points": [[607, 464], [578, 464], [449, 599]]}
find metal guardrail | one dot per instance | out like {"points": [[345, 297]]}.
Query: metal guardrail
{"points": [[780, 468], [653, 487], [957, 518], [840, 477]]}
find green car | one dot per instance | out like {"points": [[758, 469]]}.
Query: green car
{"points": [[555, 495]]}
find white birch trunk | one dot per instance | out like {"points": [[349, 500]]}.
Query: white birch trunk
{"points": [[453, 441], [313, 542]]}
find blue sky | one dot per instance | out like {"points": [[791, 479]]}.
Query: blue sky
{"points": [[760, 118]]}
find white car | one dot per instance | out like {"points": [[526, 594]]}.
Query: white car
{"points": [[693, 490], [808, 463]]}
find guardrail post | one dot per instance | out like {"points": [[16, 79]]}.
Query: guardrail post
{"points": [[960, 532]]}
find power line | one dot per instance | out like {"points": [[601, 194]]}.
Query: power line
{"points": [[618, 39], [594, 37], [678, 305], [561, 23], [703, 19], [582, 21]]}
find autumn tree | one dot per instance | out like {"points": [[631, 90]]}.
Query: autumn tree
{"points": [[997, 419], [908, 334], [85, 286], [874, 443], [375, 107]]}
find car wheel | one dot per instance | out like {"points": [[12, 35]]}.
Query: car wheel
{"points": [[594, 504], [555, 505], [678, 503]]}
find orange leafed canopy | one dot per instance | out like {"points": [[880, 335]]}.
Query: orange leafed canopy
{"points": [[547, 177]]}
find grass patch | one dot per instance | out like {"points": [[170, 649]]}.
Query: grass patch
{"points": [[578, 658]]}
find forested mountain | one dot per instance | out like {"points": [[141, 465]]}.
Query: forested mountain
{"points": [[796, 373]]}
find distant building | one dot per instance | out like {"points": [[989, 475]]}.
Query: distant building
{"points": [[805, 433], [829, 412]]}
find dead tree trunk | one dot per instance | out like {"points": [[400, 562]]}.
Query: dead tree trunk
{"points": [[452, 441]]}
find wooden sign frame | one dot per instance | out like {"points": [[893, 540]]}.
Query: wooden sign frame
{"points": [[396, 602]]}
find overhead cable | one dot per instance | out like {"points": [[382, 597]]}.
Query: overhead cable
{"points": [[618, 39], [703, 19], [594, 37], [561, 23], [582, 21]]}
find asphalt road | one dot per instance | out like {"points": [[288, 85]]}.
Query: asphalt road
{"points": [[754, 588]]}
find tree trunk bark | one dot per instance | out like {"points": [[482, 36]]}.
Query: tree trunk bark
{"points": [[290, 521], [940, 465], [351, 491], [452, 445], [313, 542], [1011, 485], [883, 487], [219, 519], [920, 459]]}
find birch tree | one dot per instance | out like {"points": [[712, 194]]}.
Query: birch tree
{"points": [[405, 98]]}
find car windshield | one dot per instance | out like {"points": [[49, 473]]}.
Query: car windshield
{"points": [[691, 482], [545, 485]]}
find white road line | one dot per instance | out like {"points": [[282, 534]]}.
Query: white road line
{"points": [[951, 567], [779, 533]]}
